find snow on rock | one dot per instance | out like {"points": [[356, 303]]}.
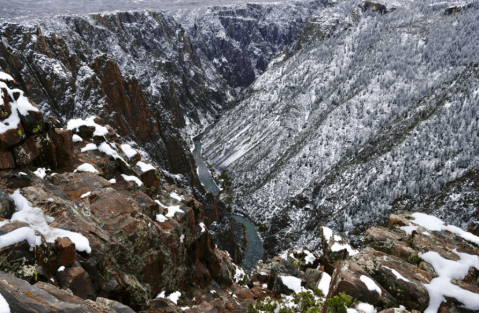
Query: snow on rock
{"points": [[128, 150], [370, 284], [21, 106], [171, 209], [61, 269], [172, 297], [366, 308], [145, 167], [327, 233], [239, 274], [112, 181], [4, 307], [309, 258], [6, 77], [132, 178], [19, 235], [86, 167], [174, 195], [292, 283], [441, 287], [75, 124], [161, 218], [41, 172], [76, 138], [434, 224], [89, 147], [203, 227], [338, 247], [107, 149], [324, 283], [396, 273], [87, 194], [38, 221], [409, 229]]}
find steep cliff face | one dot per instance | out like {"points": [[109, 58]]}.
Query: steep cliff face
{"points": [[135, 70], [379, 108], [240, 40]]}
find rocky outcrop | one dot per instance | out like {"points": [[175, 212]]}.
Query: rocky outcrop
{"points": [[100, 223]]}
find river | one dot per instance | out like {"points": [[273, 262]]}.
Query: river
{"points": [[254, 248]]}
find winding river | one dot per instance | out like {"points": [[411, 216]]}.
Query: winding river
{"points": [[254, 248]]}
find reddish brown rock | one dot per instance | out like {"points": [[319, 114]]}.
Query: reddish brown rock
{"points": [[33, 122], [388, 242], [77, 280], [150, 179], [6, 160], [64, 147], [347, 278], [26, 152], [11, 137], [66, 253]]}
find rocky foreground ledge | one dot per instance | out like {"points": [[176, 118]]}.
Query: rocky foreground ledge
{"points": [[88, 225]]}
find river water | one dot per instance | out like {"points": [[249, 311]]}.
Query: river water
{"points": [[254, 248]]}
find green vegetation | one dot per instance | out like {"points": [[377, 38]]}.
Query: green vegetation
{"points": [[339, 303], [306, 302]]}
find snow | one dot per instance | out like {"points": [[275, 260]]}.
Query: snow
{"points": [[4, 307], [292, 283], [6, 77], [172, 297], [112, 181], [145, 167], [338, 247], [327, 233], [128, 150], [21, 106], [107, 149], [182, 237], [396, 273], [85, 195], [409, 229], [174, 195], [19, 235], [74, 125], [441, 287], [324, 283], [171, 209], [366, 308], [203, 227], [435, 224], [50, 200], [370, 284], [239, 274], [76, 138], [86, 167], [40, 172], [61, 269], [38, 221], [161, 218], [132, 178], [309, 258], [89, 147]]}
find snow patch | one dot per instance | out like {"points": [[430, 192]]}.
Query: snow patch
{"points": [[370, 284], [203, 227], [132, 178], [41, 172], [145, 167], [86, 167], [161, 218], [76, 138], [87, 194], [292, 283], [89, 147], [128, 150], [75, 124], [324, 283]]}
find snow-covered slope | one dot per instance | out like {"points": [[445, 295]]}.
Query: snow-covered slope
{"points": [[377, 108]]}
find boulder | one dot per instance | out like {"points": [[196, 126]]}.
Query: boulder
{"points": [[11, 137], [66, 253], [7, 206], [352, 279], [6, 160], [26, 152], [77, 280]]}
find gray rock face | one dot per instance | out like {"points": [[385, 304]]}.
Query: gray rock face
{"points": [[240, 40]]}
